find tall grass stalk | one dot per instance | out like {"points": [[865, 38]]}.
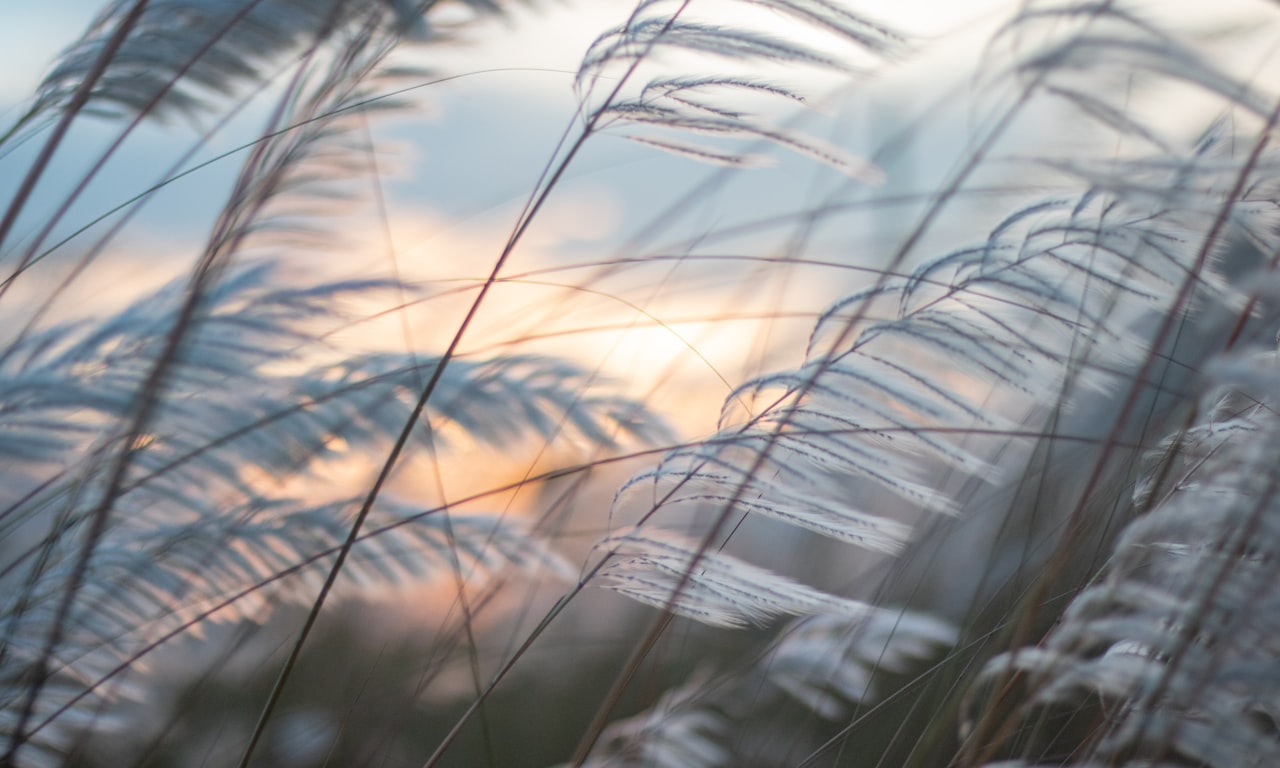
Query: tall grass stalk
{"points": [[994, 487]]}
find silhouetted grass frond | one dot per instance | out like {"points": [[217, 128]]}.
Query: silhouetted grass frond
{"points": [[164, 57], [1170, 656], [190, 527], [688, 104], [1013, 493], [677, 731]]}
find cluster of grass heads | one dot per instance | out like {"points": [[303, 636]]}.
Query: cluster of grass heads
{"points": [[1007, 504]]}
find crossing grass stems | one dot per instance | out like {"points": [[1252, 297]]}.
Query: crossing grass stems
{"points": [[1052, 449]]}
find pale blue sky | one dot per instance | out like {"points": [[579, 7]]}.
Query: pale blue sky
{"points": [[456, 179]]}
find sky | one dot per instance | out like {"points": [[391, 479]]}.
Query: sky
{"points": [[455, 180], [486, 138], [679, 334], [453, 184], [553, 35]]}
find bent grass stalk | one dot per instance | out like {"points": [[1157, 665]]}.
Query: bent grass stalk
{"points": [[1067, 306]]}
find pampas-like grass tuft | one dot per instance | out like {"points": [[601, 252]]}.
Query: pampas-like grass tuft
{"points": [[1049, 452]]}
